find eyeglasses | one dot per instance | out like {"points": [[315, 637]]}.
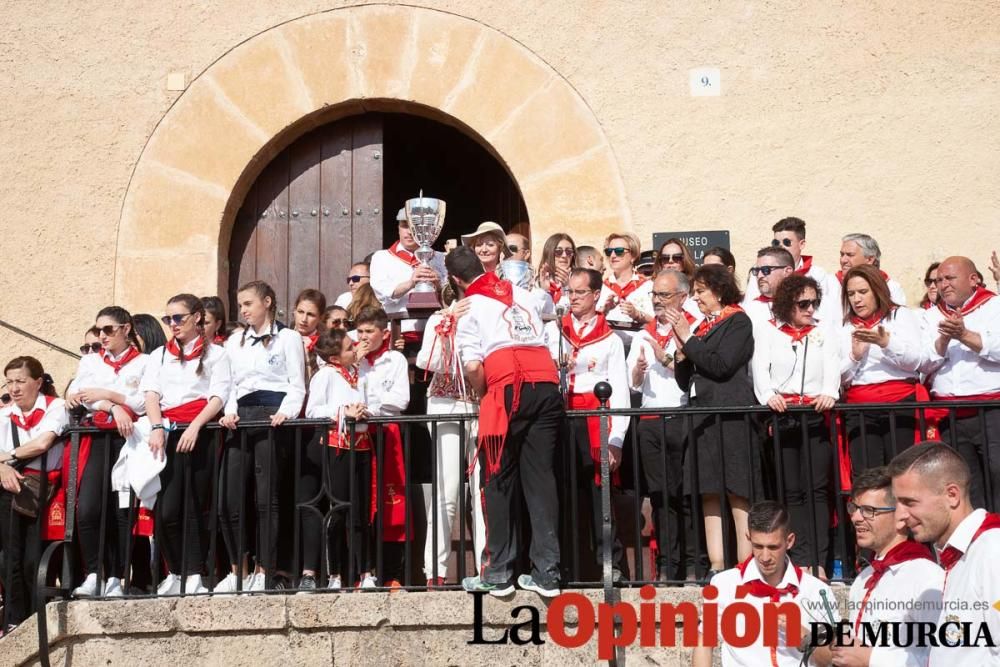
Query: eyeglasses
{"points": [[928, 282], [579, 292], [93, 347], [765, 270], [777, 243], [107, 329], [356, 279], [513, 248], [867, 511], [666, 295], [672, 259], [340, 322], [618, 252], [176, 320], [559, 252], [804, 304]]}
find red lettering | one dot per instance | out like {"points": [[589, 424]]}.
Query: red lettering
{"points": [[647, 617], [730, 628], [689, 622], [606, 639], [792, 621], [556, 621], [710, 618]]}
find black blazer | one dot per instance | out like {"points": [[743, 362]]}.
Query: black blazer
{"points": [[716, 364]]}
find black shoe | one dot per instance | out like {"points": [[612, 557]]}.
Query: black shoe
{"points": [[307, 584]]}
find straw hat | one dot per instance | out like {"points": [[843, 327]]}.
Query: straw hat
{"points": [[488, 228]]}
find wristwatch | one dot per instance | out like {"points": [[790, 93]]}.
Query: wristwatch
{"points": [[156, 427]]}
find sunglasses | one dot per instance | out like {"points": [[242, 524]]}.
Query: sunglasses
{"points": [[355, 279], [783, 242], [340, 322], [867, 511], [672, 259], [617, 252], [175, 320], [804, 304], [928, 282], [765, 270], [559, 252], [93, 347], [107, 329], [514, 248]]}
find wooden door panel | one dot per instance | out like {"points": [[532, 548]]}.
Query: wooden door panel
{"points": [[272, 229], [243, 247], [303, 219], [335, 194], [366, 191]]}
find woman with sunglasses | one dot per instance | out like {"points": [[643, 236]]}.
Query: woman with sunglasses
{"points": [[795, 363], [930, 284], [880, 348], [91, 342], [335, 317], [268, 367], [107, 385], [675, 255], [711, 366], [626, 298], [557, 261], [187, 381]]}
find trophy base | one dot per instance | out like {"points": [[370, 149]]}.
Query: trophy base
{"points": [[423, 301]]}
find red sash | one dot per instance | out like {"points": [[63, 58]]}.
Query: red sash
{"points": [[178, 351], [763, 299], [901, 553], [117, 366], [936, 415], [662, 341], [310, 341], [979, 297], [890, 391], [403, 254], [951, 555], [807, 264], [794, 333], [54, 524], [589, 402], [869, 323], [706, 325], [597, 333], [761, 589], [394, 478], [186, 412], [489, 285], [555, 291], [623, 291]]}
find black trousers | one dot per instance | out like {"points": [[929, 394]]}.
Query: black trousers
{"points": [[20, 545], [182, 536], [255, 454], [805, 471], [881, 438], [661, 448], [526, 471], [97, 504], [981, 452]]}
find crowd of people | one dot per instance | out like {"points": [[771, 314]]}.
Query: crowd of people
{"points": [[515, 349]]}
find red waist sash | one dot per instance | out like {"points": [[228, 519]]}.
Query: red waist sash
{"points": [[890, 391], [394, 478], [589, 402], [186, 412]]}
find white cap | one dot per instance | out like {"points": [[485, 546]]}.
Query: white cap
{"points": [[401, 216]]}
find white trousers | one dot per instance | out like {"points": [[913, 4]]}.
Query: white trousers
{"points": [[451, 463]]}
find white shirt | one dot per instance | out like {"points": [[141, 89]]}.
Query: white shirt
{"points": [[329, 392], [94, 373], [962, 372], [543, 301], [56, 420], [601, 361], [386, 384], [387, 272], [758, 311], [490, 326], [909, 592], [179, 383], [830, 313], [900, 360], [344, 300], [896, 292], [809, 601], [279, 367], [778, 364], [974, 578], [659, 385]]}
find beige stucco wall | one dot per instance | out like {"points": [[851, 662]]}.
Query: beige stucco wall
{"points": [[875, 117]]}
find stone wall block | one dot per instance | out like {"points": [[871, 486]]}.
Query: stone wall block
{"points": [[222, 613], [338, 610]]}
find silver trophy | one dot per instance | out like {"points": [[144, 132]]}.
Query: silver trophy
{"points": [[517, 272], [425, 218]]}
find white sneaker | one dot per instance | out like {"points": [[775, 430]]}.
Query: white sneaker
{"points": [[368, 582], [113, 589], [89, 588], [334, 583], [171, 585], [257, 581], [194, 585], [227, 585]]}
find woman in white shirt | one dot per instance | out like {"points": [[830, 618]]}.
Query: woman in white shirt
{"points": [[310, 305], [29, 428], [187, 381], [794, 363], [268, 368], [107, 385], [880, 347]]}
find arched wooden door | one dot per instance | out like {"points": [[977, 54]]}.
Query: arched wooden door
{"points": [[315, 209]]}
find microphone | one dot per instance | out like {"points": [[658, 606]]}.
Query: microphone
{"points": [[560, 311]]}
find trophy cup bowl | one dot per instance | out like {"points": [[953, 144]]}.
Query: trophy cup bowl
{"points": [[517, 272], [425, 218]]}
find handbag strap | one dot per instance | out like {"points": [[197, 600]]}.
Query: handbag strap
{"points": [[20, 464]]}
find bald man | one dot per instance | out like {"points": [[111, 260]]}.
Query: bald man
{"points": [[518, 246], [962, 344]]}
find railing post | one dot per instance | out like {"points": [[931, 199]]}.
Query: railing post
{"points": [[603, 393]]}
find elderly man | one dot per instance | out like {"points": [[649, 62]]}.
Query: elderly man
{"points": [[858, 249], [962, 343], [773, 265], [357, 276]]}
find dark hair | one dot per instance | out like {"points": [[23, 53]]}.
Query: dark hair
{"points": [[788, 292], [263, 291], [688, 266], [121, 316], [780, 254], [330, 309], [35, 370], [313, 295], [195, 307], [795, 225], [925, 302], [880, 289], [594, 279], [728, 259], [149, 332], [930, 458], [873, 479], [720, 281], [214, 307], [549, 252], [330, 343], [768, 516], [464, 264], [374, 315]]}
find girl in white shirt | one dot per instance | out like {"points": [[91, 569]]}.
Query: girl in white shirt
{"points": [[187, 381], [29, 428], [107, 385], [794, 363], [268, 366], [310, 305]]}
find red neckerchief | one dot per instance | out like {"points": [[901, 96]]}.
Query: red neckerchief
{"points": [[310, 341], [33, 418], [869, 323], [555, 291], [176, 350], [349, 374], [840, 275], [219, 340], [761, 589], [623, 291], [807, 264], [902, 552], [979, 297], [403, 254], [662, 341], [598, 332], [117, 366], [491, 286], [951, 554], [763, 299], [707, 324], [372, 357], [795, 334]]}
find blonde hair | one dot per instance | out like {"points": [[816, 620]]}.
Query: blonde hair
{"points": [[631, 240]]}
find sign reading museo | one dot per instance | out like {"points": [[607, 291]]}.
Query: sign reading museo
{"points": [[697, 242]]}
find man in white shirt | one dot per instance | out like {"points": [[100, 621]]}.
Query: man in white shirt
{"points": [[962, 342], [769, 577], [592, 353], [857, 249], [773, 265], [931, 485], [650, 366], [902, 584], [357, 276]]}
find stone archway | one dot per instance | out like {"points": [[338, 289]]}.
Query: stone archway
{"points": [[259, 97]]}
